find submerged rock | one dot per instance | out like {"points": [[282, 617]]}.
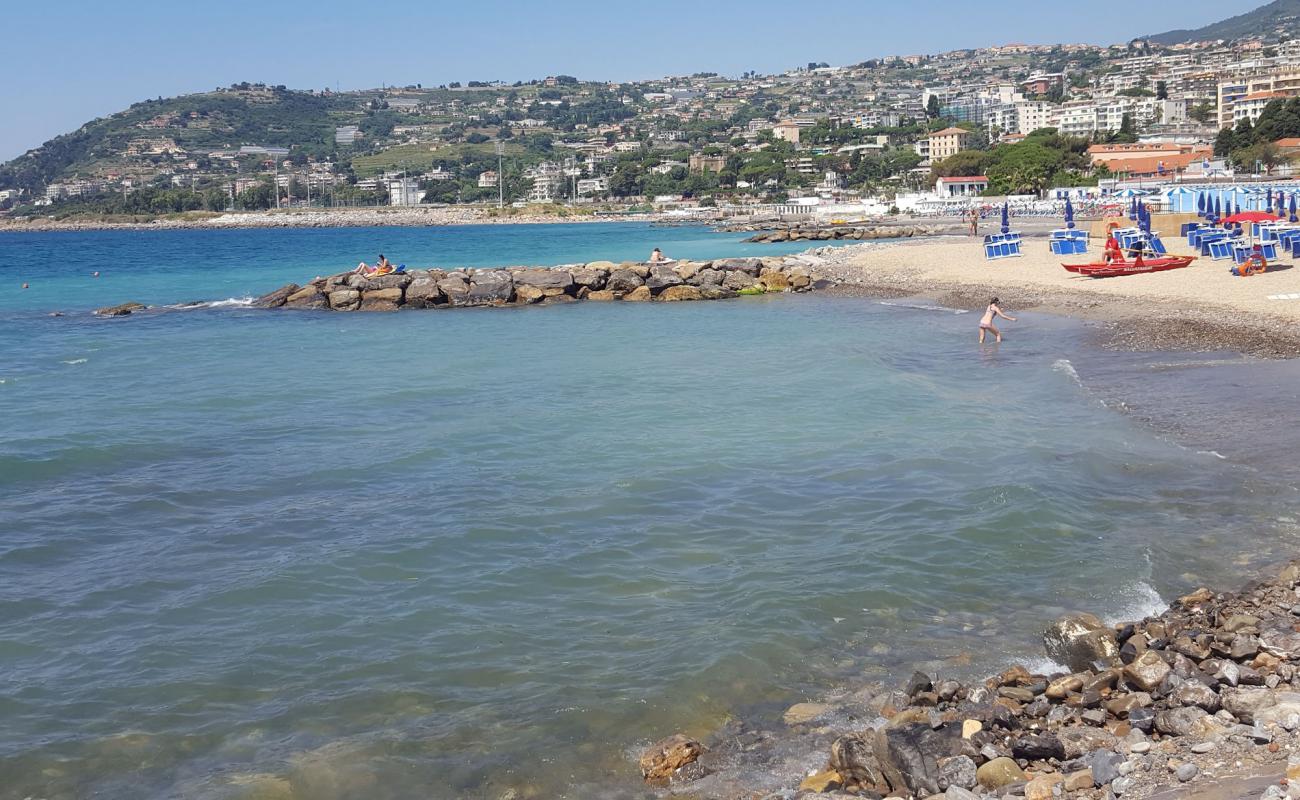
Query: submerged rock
{"points": [[666, 756], [123, 310]]}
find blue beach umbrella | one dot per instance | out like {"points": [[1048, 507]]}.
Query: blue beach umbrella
{"points": [[1133, 209], [1006, 218], [1218, 210], [1200, 204], [1291, 207], [1281, 203], [1069, 212]]}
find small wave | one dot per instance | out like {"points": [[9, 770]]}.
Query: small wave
{"points": [[1040, 665], [1214, 453], [1063, 365], [1137, 602], [923, 307], [231, 302], [75, 361]]}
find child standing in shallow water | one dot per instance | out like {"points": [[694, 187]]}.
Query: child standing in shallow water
{"points": [[986, 322]]}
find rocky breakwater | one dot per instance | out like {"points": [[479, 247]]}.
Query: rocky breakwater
{"points": [[517, 286], [820, 234], [1207, 690]]}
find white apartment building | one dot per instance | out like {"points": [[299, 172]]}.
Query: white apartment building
{"points": [[593, 185], [404, 192], [487, 179], [1256, 90]]}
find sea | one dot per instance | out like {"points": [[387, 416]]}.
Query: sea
{"points": [[493, 553]]}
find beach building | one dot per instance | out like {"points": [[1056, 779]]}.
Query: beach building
{"points": [[948, 142], [961, 187], [488, 179]]}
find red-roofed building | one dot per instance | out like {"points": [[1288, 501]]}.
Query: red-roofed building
{"points": [[961, 187], [1156, 165]]}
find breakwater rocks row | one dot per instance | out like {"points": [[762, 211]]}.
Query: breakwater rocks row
{"points": [[1208, 689], [817, 234], [598, 280]]}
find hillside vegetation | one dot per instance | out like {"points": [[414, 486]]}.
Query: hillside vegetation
{"points": [[1280, 19]]}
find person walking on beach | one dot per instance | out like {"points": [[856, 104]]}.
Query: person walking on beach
{"points": [[986, 322], [974, 222]]}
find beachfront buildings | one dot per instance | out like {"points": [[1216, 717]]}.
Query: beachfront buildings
{"points": [[949, 142], [1244, 96], [961, 187]]}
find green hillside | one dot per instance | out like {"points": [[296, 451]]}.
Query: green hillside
{"points": [[1279, 19], [195, 123]]}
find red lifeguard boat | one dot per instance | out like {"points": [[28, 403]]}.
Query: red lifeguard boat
{"points": [[1137, 267]]}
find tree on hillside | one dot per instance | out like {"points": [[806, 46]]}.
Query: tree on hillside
{"points": [[1162, 90], [932, 109]]}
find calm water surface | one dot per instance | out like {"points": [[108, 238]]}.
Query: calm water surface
{"points": [[446, 554]]}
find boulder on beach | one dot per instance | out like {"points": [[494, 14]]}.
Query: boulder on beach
{"points": [[1081, 642], [623, 280], [345, 300], [680, 293], [381, 299], [490, 288]]}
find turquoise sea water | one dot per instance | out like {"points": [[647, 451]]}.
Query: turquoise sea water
{"points": [[180, 266], [445, 554]]}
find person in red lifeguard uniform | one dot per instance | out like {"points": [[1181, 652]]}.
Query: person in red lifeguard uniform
{"points": [[1112, 252]]}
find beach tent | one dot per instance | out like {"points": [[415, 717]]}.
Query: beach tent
{"points": [[1069, 212]]}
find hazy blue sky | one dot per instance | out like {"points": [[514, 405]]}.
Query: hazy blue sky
{"points": [[68, 61]]}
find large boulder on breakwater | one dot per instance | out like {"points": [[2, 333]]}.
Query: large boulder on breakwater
{"points": [[423, 292], [1081, 642], [590, 276], [308, 297], [623, 280], [491, 287], [661, 277], [277, 298], [381, 299], [679, 293], [345, 300], [550, 281], [455, 287]]}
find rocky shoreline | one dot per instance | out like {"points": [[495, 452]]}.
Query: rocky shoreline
{"points": [[1206, 691], [818, 233]]}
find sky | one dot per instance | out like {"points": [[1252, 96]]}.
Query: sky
{"points": [[69, 61]]}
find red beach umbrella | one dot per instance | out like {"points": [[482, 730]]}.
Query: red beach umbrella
{"points": [[1249, 216]]}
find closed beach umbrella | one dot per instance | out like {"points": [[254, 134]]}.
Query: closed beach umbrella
{"points": [[1133, 208], [1069, 212], [1281, 204], [1291, 207], [1200, 204], [1218, 209], [1006, 218]]}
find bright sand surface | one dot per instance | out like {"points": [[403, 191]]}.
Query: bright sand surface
{"points": [[954, 263]]}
